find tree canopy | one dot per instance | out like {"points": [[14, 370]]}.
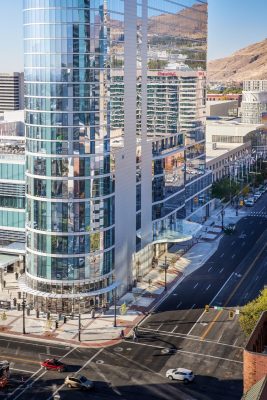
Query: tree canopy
{"points": [[250, 313]]}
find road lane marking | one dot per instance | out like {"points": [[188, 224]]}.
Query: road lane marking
{"points": [[210, 269], [222, 255], [76, 373], [234, 291], [221, 270], [21, 370], [233, 243], [158, 328], [208, 287], [24, 384], [257, 277], [185, 337], [197, 321], [179, 304], [187, 352], [174, 328], [26, 360], [233, 256], [195, 285], [193, 306], [32, 344]]}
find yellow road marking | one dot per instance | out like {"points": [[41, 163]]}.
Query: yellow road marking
{"points": [[233, 293], [20, 359]]}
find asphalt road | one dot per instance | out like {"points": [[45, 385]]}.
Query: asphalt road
{"points": [[178, 334]]}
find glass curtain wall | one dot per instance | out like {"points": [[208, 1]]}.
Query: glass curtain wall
{"points": [[70, 184]]}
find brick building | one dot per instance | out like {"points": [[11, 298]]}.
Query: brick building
{"points": [[255, 354]]}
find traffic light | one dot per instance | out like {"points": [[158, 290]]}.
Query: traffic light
{"points": [[231, 314], [207, 308]]}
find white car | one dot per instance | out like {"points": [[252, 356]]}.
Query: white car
{"points": [[257, 195], [180, 374], [249, 202]]}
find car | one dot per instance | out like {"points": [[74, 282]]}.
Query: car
{"points": [[257, 195], [180, 374], [53, 364], [79, 382], [249, 202]]}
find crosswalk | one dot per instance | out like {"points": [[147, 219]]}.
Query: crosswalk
{"points": [[257, 214]]}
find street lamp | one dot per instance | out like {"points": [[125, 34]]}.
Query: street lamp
{"points": [[165, 266], [222, 214], [115, 307], [23, 314], [79, 321]]}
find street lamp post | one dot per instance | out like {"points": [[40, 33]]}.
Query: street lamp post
{"points": [[222, 214], [23, 314], [165, 266], [79, 321], [115, 307]]}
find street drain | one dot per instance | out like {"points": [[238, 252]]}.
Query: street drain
{"points": [[99, 362]]}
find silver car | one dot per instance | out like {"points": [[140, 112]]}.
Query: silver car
{"points": [[79, 382], [180, 374]]}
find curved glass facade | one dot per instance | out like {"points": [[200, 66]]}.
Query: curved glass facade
{"points": [[69, 182]]}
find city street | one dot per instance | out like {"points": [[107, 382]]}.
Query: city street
{"points": [[179, 333]]}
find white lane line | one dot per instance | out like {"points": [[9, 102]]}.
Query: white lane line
{"points": [[222, 255], [36, 379], [208, 287], [187, 337], [233, 256], [76, 373], [197, 321], [195, 285], [220, 338], [216, 295], [257, 277], [32, 344], [210, 269], [221, 270], [192, 306], [235, 341], [158, 328], [190, 353], [232, 243], [174, 328], [178, 305], [21, 370]]}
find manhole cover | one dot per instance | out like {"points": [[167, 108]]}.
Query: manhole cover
{"points": [[118, 349], [99, 362]]}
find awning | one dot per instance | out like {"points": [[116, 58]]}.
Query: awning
{"points": [[25, 288], [185, 231], [6, 260]]}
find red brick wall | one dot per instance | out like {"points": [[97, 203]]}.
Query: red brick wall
{"points": [[254, 368]]}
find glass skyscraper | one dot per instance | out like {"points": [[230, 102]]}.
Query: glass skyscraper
{"points": [[70, 188], [115, 140]]}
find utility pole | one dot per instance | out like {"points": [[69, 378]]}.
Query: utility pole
{"points": [[166, 266], [79, 326]]}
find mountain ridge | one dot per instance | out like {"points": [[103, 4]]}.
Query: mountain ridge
{"points": [[247, 63]]}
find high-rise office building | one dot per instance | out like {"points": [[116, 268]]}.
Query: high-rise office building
{"points": [[11, 91], [115, 141]]}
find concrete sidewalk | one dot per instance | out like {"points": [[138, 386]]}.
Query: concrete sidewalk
{"points": [[100, 331]]}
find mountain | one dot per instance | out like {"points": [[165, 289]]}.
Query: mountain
{"points": [[247, 63]]}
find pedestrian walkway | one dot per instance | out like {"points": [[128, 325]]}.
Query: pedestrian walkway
{"points": [[100, 331]]}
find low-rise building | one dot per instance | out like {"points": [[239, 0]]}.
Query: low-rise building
{"points": [[255, 355], [227, 108]]}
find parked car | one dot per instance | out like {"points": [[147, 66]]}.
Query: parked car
{"points": [[79, 382], [53, 364], [249, 202], [257, 195], [180, 374]]}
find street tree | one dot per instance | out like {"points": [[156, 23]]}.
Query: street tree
{"points": [[250, 313]]}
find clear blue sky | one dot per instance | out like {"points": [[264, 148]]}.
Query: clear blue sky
{"points": [[233, 24]]}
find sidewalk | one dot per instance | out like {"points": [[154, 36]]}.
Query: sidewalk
{"points": [[100, 331]]}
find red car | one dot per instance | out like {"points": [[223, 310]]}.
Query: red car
{"points": [[53, 364]]}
